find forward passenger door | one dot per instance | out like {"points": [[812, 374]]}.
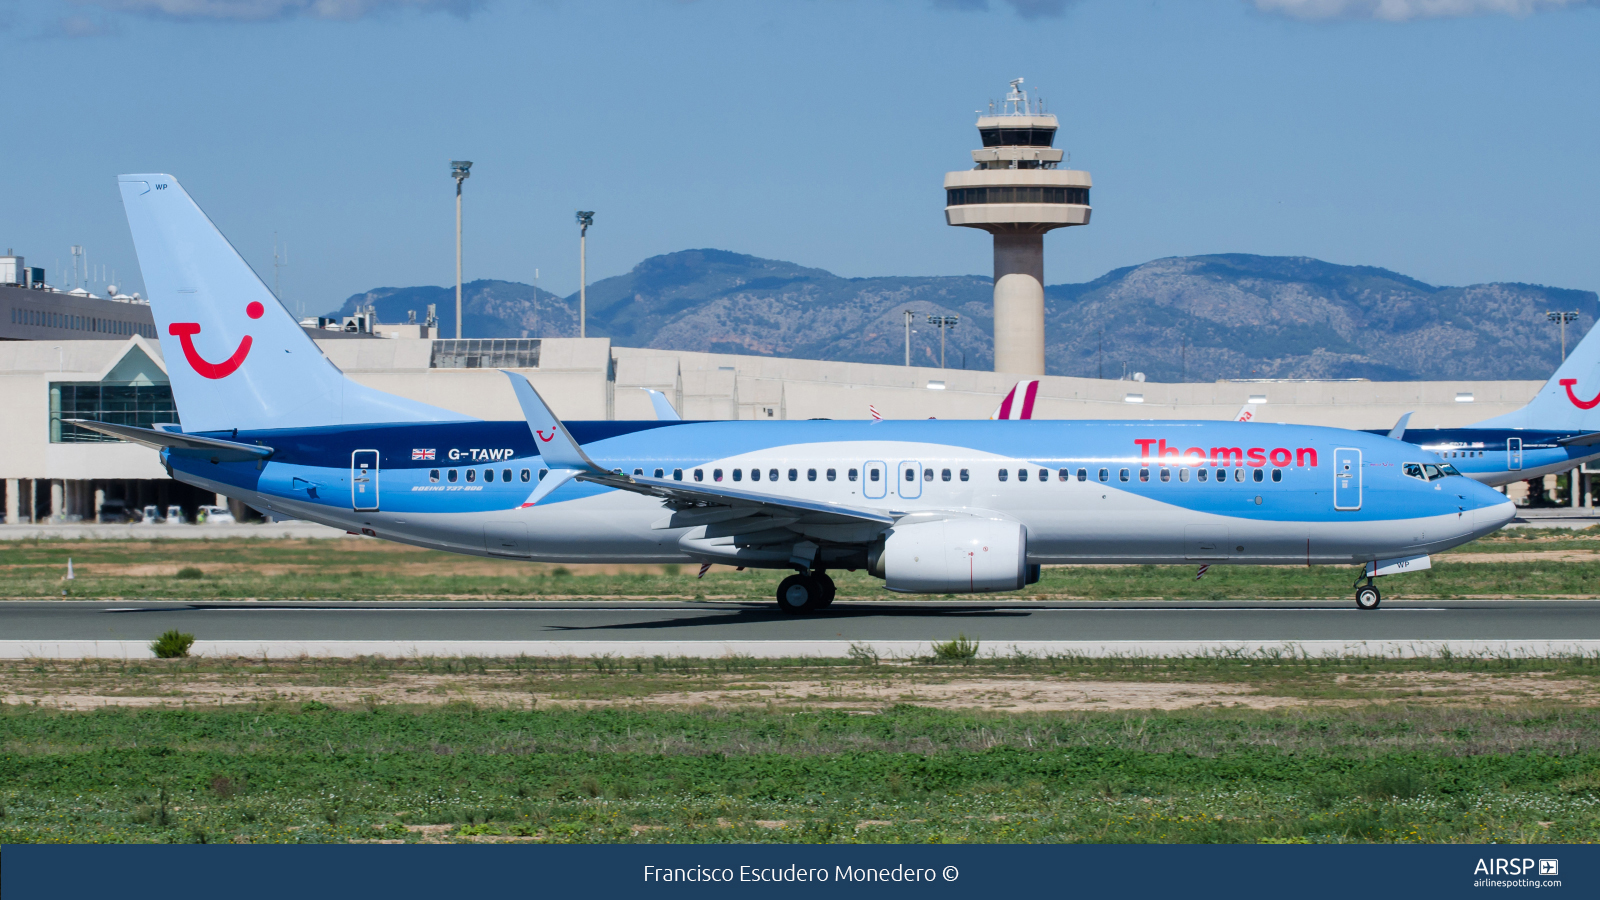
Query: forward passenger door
{"points": [[1346, 478]]}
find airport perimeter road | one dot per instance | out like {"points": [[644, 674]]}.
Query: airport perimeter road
{"points": [[709, 628]]}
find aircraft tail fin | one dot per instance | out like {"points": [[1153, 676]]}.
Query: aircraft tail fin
{"points": [[1570, 400], [1247, 413], [236, 358], [1018, 404]]}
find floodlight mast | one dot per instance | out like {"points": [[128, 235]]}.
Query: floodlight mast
{"points": [[585, 219], [1562, 318], [943, 323], [460, 170]]}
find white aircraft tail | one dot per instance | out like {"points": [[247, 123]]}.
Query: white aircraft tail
{"points": [[236, 358], [1247, 413], [1569, 401]]}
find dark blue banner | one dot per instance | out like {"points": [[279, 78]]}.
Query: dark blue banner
{"points": [[131, 872]]}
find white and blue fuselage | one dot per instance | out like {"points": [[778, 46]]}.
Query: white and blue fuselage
{"points": [[1086, 492]]}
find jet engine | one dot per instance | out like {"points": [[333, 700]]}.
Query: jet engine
{"points": [[954, 556]]}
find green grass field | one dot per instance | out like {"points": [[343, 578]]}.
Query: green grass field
{"points": [[1356, 750], [310, 774]]}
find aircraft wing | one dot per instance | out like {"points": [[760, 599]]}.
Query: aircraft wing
{"points": [[179, 443], [1580, 440]]}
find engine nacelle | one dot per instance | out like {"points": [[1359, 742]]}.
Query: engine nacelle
{"points": [[954, 556]]}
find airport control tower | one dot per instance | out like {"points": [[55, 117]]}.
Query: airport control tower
{"points": [[1015, 192]]}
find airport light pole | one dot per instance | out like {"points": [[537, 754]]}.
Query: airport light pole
{"points": [[1562, 318], [585, 219], [460, 170], [943, 323], [909, 316]]}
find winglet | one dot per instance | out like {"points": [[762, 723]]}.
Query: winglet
{"points": [[1398, 432], [555, 443], [663, 406]]}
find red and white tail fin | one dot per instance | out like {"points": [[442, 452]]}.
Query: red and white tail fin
{"points": [[1019, 403], [1247, 413], [873, 410]]}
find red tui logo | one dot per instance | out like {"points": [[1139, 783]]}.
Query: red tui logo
{"points": [[540, 433], [1581, 404], [185, 332]]}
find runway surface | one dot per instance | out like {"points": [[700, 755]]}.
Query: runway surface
{"points": [[713, 628]]}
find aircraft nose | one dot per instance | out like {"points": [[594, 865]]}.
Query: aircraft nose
{"points": [[1494, 509]]}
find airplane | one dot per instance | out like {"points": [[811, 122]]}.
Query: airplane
{"points": [[930, 506], [1556, 431]]}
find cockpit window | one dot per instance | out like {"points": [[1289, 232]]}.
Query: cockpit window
{"points": [[1448, 469], [1414, 470], [1433, 471]]}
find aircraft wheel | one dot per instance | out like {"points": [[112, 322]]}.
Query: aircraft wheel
{"points": [[799, 594], [1367, 597], [828, 590]]}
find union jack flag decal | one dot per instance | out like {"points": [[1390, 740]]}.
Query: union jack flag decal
{"points": [[426, 455]]}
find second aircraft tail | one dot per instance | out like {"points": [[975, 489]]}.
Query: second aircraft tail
{"points": [[1569, 401]]}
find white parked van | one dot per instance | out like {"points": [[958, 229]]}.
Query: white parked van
{"points": [[214, 515]]}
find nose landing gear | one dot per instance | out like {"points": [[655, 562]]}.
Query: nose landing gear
{"points": [[1367, 597]]}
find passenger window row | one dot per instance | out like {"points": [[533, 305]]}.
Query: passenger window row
{"points": [[1163, 474], [506, 475], [1426, 472]]}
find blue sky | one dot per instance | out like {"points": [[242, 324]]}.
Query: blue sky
{"points": [[1451, 140]]}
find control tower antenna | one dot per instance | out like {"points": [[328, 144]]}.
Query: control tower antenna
{"points": [[1016, 193]]}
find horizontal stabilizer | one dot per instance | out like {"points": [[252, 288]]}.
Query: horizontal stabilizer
{"points": [[180, 444], [1580, 440]]}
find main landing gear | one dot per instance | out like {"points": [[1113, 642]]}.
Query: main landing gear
{"points": [[805, 592]]}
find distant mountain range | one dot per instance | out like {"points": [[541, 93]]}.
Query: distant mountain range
{"points": [[1196, 318]]}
